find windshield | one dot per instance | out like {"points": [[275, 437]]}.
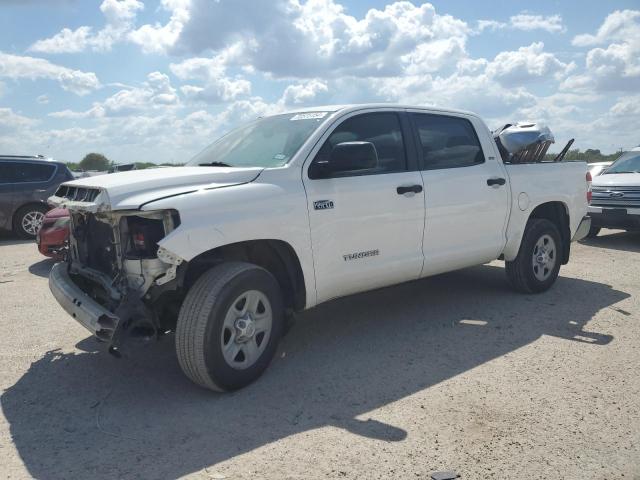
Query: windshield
{"points": [[266, 142], [628, 163]]}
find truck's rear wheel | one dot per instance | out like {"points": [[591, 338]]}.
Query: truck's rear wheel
{"points": [[229, 326], [537, 265]]}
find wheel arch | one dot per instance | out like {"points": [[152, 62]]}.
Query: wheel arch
{"points": [[38, 203], [557, 212], [276, 256]]}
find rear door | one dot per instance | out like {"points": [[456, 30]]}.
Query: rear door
{"points": [[367, 226], [466, 192], [33, 182], [7, 200]]}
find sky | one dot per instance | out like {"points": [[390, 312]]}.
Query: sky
{"points": [[158, 80]]}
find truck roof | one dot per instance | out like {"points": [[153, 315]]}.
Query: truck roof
{"points": [[29, 158], [361, 106]]}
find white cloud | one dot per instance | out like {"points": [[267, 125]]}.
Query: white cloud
{"points": [[11, 121], [527, 64], [626, 106], [286, 38], [614, 67], [76, 81], [621, 25], [42, 99], [526, 22], [212, 72], [221, 90], [304, 93], [119, 16], [160, 38], [154, 94], [66, 41]]}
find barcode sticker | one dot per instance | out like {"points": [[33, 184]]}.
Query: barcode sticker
{"points": [[309, 116]]}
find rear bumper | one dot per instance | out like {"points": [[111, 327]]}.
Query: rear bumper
{"points": [[91, 315], [619, 218], [583, 229]]}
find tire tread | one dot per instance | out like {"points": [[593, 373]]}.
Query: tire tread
{"points": [[519, 272], [194, 317]]}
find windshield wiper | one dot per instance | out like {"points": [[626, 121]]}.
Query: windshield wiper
{"points": [[214, 164], [612, 173]]}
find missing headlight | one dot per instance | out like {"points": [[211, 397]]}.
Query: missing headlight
{"points": [[143, 237]]}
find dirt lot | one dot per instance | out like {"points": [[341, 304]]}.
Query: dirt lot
{"points": [[454, 372]]}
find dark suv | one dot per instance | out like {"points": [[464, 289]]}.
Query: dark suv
{"points": [[25, 185]]}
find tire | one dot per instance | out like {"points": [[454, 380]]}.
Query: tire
{"points": [[532, 271], [593, 232], [27, 220], [208, 331]]}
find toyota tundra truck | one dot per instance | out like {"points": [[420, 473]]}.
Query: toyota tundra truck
{"points": [[296, 209]]}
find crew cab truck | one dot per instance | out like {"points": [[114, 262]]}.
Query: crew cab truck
{"points": [[296, 209]]}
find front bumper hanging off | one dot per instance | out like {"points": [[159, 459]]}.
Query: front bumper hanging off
{"points": [[90, 314]]}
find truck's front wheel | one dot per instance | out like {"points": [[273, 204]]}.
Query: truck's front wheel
{"points": [[229, 326], [537, 265]]}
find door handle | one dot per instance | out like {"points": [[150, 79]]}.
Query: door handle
{"points": [[409, 189], [496, 181]]}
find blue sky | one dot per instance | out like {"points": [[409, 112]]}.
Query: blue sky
{"points": [[157, 80]]}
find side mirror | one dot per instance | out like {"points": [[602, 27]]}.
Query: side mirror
{"points": [[348, 157]]}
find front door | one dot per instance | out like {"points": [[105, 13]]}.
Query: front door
{"points": [[366, 226]]}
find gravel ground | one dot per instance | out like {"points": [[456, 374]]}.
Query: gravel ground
{"points": [[454, 372]]}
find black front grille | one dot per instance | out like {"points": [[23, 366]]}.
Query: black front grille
{"points": [[77, 194], [616, 196]]}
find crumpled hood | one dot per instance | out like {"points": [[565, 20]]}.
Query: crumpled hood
{"points": [[616, 179], [130, 190]]}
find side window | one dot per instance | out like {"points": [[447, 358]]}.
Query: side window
{"points": [[7, 172], [34, 172], [382, 129], [447, 142]]}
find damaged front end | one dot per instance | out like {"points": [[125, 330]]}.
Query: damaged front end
{"points": [[117, 281]]}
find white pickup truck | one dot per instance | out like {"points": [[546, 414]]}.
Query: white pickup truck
{"points": [[296, 209]]}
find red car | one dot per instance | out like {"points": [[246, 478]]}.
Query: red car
{"points": [[54, 233]]}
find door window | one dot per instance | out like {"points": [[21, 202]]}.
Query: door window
{"points": [[382, 129], [447, 142], [7, 172], [34, 172]]}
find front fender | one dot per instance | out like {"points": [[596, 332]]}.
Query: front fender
{"points": [[255, 211]]}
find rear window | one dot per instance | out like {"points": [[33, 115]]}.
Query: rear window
{"points": [[33, 172], [447, 142], [7, 172]]}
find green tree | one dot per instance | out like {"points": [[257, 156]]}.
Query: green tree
{"points": [[589, 156], [95, 161]]}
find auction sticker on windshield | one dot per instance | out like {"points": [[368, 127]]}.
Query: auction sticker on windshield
{"points": [[309, 116]]}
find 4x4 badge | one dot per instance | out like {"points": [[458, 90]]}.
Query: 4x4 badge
{"points": [[323, 204]]}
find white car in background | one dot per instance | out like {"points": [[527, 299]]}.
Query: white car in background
{"points": [[616, 195]]}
